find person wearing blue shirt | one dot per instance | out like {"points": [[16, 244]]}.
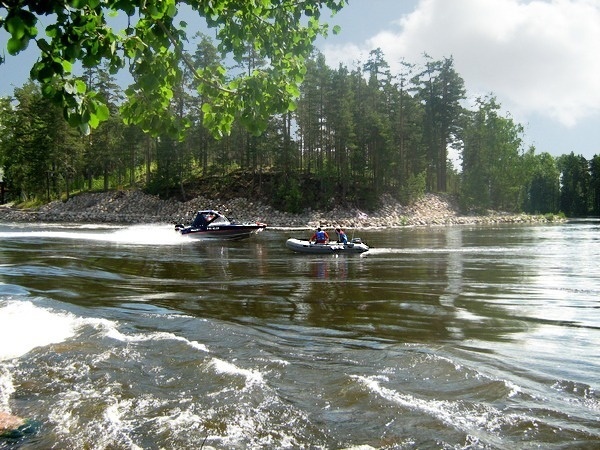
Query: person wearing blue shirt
{"points": [[342, 238]]}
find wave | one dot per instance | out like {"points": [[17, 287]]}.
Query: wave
{"points": [[113, 384], [480, 422], [253, 377], [27, 326], [114, 333]]}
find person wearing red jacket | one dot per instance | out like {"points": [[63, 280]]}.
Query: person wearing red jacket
{"points": [[320, 236]]}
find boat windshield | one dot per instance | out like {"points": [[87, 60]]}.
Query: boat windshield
{"points": [[220, 220], [206, 218]]}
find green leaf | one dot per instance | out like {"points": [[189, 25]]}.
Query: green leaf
{"points": [[154, 12], [81, 87], [292, 90], [16, 27], [77, 4], [15, 45], [102, 112], [52, 30], [171, 10], [66, 65], [72, 52], [94, 121], [44, 46], [48, 90], [42, 72]]}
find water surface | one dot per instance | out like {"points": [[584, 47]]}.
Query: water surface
{"points": [[460, 337]]}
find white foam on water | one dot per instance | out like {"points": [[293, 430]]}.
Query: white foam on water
{"points": [[442, 250], [24, 326], [472, 419], [116, 424], [136, 234], [253, 377], [114, 333], [6, 388], [112, 429], [147, 235]]}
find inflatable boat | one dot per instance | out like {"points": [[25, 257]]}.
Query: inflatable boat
{"points": [[305, 246]]}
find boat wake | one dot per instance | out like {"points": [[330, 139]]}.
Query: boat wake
{"points": [[422, 251], [136, 234]]}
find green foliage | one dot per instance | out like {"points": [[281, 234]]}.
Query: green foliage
{"points": [[31, 203], [441, 89], [575, 180], [413, 188], [41, 153], [492, 163], [543, 183], [21, 25], [151, 46], [288, 196], [595, 185], [350, 140]]}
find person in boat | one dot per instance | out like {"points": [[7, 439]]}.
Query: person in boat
{"points": [[320, 236], [342, 237]]}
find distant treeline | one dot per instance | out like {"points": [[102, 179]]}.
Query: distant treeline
{"points": [[355, 134]]}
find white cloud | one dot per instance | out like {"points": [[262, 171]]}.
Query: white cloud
{"points": [[538, 57]]}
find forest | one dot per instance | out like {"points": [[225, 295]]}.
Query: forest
{"points": [[353, 135]]}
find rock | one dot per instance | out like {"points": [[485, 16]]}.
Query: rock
{"points": [[133, 206]]}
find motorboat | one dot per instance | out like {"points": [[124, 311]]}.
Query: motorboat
{"points": [[210, 224], [356, 245]]}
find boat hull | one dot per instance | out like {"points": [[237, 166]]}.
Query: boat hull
{"points": [[304, 246], [230, 232]]}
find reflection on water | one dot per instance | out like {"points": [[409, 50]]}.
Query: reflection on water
{"points": [[460, 337]]}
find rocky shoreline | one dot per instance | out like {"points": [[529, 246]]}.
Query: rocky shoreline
{"points": [[136, 207]]}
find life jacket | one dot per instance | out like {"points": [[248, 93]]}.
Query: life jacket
{"points": [[321, 236]]}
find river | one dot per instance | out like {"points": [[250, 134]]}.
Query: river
{"points": [[463, 337]]}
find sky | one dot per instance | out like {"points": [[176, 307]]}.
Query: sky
{"points": [[539, 58]]}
